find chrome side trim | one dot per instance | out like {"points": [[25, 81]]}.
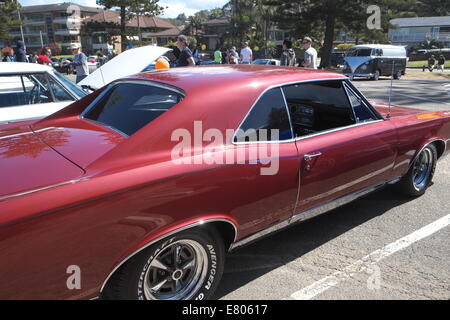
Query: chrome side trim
{"points": [[311, 213], [196, 224]]}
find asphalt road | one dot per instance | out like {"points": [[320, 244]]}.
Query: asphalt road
{"points": [[384, 246]]}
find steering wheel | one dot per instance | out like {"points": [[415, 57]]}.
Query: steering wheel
{"points": [[35, 94]]}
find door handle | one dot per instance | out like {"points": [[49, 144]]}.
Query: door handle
{"points": [[310, 156]]}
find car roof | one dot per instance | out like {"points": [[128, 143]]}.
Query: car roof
{"points": [[376, 46], [220, 77], [23, 67]]}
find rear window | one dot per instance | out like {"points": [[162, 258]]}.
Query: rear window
{"points": [[127, 107]]}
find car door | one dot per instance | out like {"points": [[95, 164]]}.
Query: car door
{"points": [[30, 96], [343, 145], [268, 165]]}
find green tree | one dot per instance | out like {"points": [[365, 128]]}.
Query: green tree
{"points": [[129, 8], [8, 17]]}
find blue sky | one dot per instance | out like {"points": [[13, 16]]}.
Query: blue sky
{"points": [[175, 7]]}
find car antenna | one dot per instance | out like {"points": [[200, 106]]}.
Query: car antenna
{"points": [[390, 91], [101, 72]]}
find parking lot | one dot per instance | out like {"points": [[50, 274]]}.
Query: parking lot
{"points": [[384, 246]]}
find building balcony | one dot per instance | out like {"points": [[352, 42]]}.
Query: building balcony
{"points": [[33, 22], [68, 44], [67, 20], [67, 32]]}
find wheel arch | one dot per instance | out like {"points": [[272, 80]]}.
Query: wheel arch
{"points": [[438, 143], [226, 227]]}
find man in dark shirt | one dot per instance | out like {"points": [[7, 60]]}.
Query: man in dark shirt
{"points": [[185, 59]]}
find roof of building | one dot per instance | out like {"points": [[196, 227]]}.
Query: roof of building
{"points": [[218, 21], [168, 32], [422, 21], [56, 7], [144, 22]]}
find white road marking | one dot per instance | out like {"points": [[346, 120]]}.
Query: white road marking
{"points": [[369, 260]]}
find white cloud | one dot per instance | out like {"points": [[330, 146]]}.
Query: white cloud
{"points": [[174, 7]]}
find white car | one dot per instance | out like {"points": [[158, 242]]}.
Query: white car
{"points": [[267, 62], [32, 91]]}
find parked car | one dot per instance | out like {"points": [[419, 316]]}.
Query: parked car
{"points": [[267, 62], [375, 60], [32, 91], [131, 189]]}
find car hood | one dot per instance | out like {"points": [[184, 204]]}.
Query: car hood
{"points": [[125, 64], [27, 164]]}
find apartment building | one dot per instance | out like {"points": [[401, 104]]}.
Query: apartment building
{"points": [[53, 23]]}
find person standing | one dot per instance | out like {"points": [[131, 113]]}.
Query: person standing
{"points": [[233, 57], [79, 62], [310, 60], [196, 54], [288, 54], [20, 53], [441, 62], [8, 54], [218, 56], [246, 54], [431, 62], [185, 59]]}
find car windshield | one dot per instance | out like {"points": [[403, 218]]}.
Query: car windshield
{"points": [[77, 90], [359, 52]]}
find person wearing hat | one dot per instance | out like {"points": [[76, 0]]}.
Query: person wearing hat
{"points": [[310, 54], [185, 59], [79, 62]]}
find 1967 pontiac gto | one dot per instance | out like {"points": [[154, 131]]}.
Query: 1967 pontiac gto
{"points": [[137, 190]]}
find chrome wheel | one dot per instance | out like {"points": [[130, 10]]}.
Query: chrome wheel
{"points": [[422, 169], [176, 272]]}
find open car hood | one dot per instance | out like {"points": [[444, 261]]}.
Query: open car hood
{"points": [[125, 64]]}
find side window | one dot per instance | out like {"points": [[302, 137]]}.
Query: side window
{"points": [[59, 93], [318, 106], [268, 120], [361, 110], [127, 107], [13, 91]]}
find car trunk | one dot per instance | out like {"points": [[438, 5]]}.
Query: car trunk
{"points": [[47, 169], [82, 141]]}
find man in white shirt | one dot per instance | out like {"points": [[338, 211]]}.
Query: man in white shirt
{"points": [[246, 54], [310, 54]]}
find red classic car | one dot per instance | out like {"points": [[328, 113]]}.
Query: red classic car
{"points": [[138, 190]]}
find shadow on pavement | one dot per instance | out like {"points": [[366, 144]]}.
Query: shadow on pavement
{"points": [[255, 260]]}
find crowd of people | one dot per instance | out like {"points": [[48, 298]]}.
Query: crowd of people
{"points": [[186, 57]]}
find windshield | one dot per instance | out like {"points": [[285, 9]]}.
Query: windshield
{"points": [[359, 52], [75, 89]]}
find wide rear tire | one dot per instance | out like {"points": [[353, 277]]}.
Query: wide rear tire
{"points": [[420, 175], [184, 266]]}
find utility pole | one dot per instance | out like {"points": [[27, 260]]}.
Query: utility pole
{"points": [[21, 29]]}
